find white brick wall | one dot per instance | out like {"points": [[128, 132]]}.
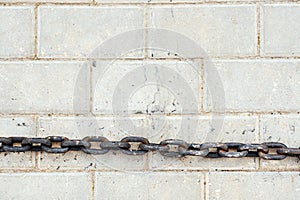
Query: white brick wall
{"points": [[167, 98], [280, 30], [220, 30], [64, 64], [75, 31], [45, 185], [284, 185], [149, 185], [32, 87], [17, 32], [259, 85]]}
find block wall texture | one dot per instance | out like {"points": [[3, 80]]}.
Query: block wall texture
{"points": [[197, 70]]}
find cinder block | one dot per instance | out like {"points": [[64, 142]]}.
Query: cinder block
{"points": [[145, 185], [83, 31], [113, 128], [48, 186], [254, 185], [280, 30], [17, 126], [220, 30], [257, 85], [284, 129], [17, 32], [44, 87], [146, 87]]}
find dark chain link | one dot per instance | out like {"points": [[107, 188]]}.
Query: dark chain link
{"points": [[140, 146]]}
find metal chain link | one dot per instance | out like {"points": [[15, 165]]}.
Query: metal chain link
{"points": [[132, 145]]}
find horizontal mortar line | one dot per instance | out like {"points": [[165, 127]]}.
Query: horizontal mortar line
{"points": [[255, 58], [112, 115], [216, 2], [281, 57], [145, 115], [199, 57], [74, 170], [204, 113], [174, 58], [44, 113], [92, 59], [179, 3], [206, 170], [174, 115], [97, 4], [158, 59], [38, 3], [67, 59], [260, 170], [99, 60], [148, 115], [15, 115], [258, 112], [17, 58], [28, 170], [228, 57]]}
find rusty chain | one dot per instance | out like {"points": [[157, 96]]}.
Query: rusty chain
{"points": [[139, 145]]}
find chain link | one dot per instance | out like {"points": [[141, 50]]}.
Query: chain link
{"points": [[137, 151], [139, 146], [181, 146], [273, 156], [88, 144], [235, 153], [16, 145], [55, 140]]}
